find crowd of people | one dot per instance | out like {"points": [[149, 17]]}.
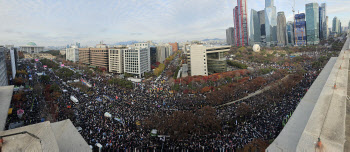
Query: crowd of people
{"points": [[113, 116]]}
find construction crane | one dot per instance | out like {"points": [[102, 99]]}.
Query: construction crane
{"points": [[293, 10]]}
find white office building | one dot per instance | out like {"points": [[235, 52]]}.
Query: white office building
{"points": [[137, 59], [198, 60], [115, 60], [31, 47], [72, 53]]}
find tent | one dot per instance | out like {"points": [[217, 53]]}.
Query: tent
{"points": [[107, 115]]}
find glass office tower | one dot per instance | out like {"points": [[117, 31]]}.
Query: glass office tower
{"points": [[312, 23]]}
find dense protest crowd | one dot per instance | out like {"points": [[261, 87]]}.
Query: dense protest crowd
{"points": [[113, 116]]}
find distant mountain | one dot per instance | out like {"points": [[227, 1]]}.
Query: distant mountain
{"points": [[214, 39], [125, 43]]}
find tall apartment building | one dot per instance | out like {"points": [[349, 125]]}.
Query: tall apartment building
{"points": [[3, 69], [240, 18], [281, 29], [115, 59], [323, 20], [163, 51], [137, 59], [312, 23], [72, 53], [270, 23], [300, 29], [290, 33], [255, 33], [261, 15], [230, 36]]}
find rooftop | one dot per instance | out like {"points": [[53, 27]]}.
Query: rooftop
{"points": [[5, 100]]}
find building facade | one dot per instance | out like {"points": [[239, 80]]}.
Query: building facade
{"points": [[300, 29], [175, 46], [99, 57], [230, 36], [115, 60], [336, 25], [261, 15], [198, 58], [290, 33], [72, 53], [255, 33], [137, 59], [270, 23], [281, 29], [243, 22], [322, 20], [237, 26], [312, 23], [3, 69], [31, 47], [84, 56]]}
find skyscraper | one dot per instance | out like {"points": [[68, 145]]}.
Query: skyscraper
{"points": [[325, 29], [340, 27], [3, 69], [281, 29], [322, 11], [261, 15], [335, 25], [312, 23], [237, 26], [241, 23], [255, 32], [230, 36], [270, 23], [290, 33], [300, 29]]}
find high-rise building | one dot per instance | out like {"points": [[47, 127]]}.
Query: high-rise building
{"points": [[230, 36], [115, 59], [240, 18], [3, 69], [270, 23], [340, 28], [255, 33], [84, 56], [281, 29], [300, 29], [325, 29], [237, 26], [322, 12], [336, 25], [312, 23], [72, 53], [137, 59], [290, 33], [261, 15], [97, 57], [243, 22]]}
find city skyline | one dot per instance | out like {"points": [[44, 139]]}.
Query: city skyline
{"points": [[63, 22]]}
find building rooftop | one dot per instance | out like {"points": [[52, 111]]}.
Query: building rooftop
{"points": [[53, 137], [5, 100]]}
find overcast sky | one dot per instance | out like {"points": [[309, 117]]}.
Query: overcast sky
{"points": [[61, 22]]}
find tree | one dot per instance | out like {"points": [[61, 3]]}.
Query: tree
{"points": [[243, 109], [45, 78], [37, 89], [18, 81]]}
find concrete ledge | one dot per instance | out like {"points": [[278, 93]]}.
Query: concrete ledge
{"points": [[321, 112], [288, 139]]}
